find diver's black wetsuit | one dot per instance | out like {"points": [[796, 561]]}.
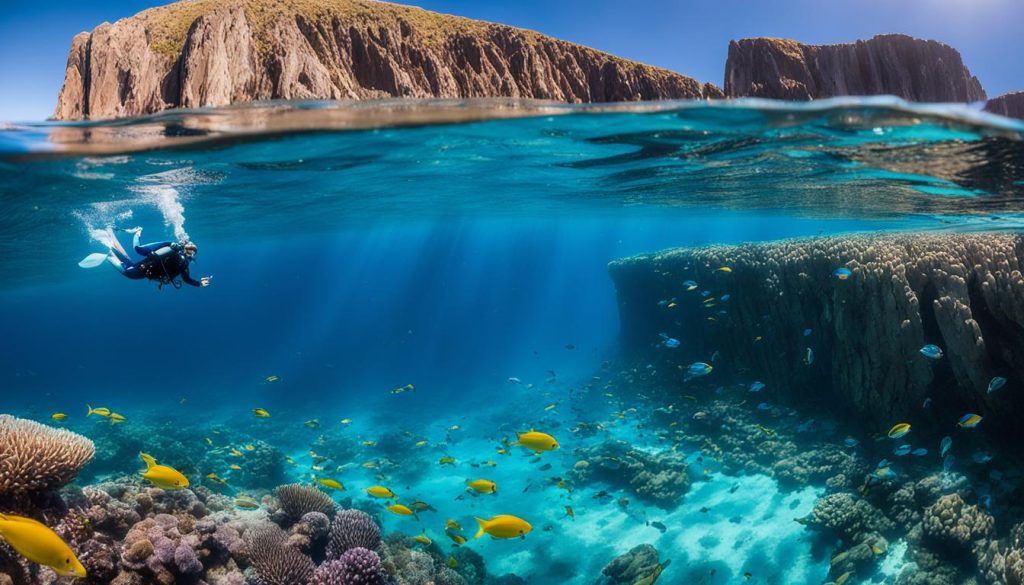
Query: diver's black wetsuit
{"points": [[163, 262]]}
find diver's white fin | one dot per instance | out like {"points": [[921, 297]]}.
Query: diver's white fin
{"points": [[93, 260]]}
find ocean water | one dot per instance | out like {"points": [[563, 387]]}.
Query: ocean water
{"points": [[463, 249]]}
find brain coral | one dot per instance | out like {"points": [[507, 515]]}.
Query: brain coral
{"points": [[37, 457]]}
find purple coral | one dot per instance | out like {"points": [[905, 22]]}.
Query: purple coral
{"points": [[352, 529], [358, 566]]}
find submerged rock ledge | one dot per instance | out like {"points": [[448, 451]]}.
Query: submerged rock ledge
{"points": [[964, 293]]}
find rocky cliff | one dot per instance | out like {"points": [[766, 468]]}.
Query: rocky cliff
{"points": [[216, 52], [1008, 104], [913, 69], [961, 293]]}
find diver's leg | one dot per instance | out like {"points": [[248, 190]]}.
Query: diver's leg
{"points": [[115, 245]]}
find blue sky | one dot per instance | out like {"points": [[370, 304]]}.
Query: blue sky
{"points": [[683, 35]]}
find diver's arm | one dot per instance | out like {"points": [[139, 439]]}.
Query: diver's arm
{"points": [[187, 278]]}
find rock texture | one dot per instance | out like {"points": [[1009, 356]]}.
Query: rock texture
{"points": [[964, 293], [217, 52], [913, 69], [1009, 104]]}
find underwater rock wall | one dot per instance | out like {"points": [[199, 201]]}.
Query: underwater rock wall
{"points": [[963, 293]]}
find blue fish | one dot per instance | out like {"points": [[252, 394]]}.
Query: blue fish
{"points": [[927, 402], [698, 369], [851, 442], [996, 383], [690, 285], [986, 501], [931, 352], [842, 273], [705, 293], [982, 457], [669, 342], [919, 452], [947, 462], [764, 406], [944, 446], [807, 332], [725, 297], [882, 463], [902, 450], [757, 386], [883, 473]]}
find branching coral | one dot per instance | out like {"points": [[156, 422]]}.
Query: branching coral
{"points": [[297, 500], [352, 529]]}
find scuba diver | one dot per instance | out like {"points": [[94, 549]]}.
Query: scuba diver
{"points": [[165, 262]]}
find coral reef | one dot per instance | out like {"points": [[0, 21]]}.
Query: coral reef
{"points": [[631, 567], [660, 479], [36, 458], [952, 524]]}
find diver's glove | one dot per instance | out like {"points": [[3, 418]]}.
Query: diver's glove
{"points": [[205, 281]]}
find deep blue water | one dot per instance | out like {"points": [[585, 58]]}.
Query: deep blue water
{"points": [[451, 256]]}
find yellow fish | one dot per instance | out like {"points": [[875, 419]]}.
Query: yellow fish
{"points": [[421, 443], [58, 416], [161, 475], [899, 430], [724, 269], [369, 443], [100, 411], [446, 460], [536, 441], [236, 452], [422, 539], [260, 413], [484, 486], [843, 578], [313, 424], [503, 526], [370, 465], [330, 483], [215, 479], [235, 467], [452, 563], [37, 543], [550, 407], [346, 421], [272, 378], [489, 463], [209, 442], [116, 418], [250, 447], [289, 461], [379, 491], [401, 510], [452, 525]]}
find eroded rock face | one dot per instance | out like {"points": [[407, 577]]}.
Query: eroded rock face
{"points": [[914, 69], [1009, 104], [217, 52], [964, 293]]}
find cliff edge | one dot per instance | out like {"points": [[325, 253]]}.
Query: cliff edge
{"points": [[216, 52]]}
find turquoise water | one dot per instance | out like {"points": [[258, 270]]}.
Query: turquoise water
{"points": [[463, 249]]}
